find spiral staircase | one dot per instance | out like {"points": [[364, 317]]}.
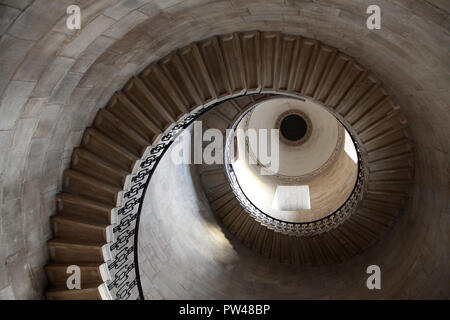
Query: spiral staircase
{"points": [[230, 73], [374, 215]]}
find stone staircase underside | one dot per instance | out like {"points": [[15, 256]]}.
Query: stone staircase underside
{"points": [[202, 74]]}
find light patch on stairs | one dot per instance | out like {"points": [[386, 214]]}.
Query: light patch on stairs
{"points": [[291, 198]]}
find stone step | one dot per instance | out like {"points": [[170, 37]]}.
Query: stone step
{"points": [[79, 229], [71, 205], [91, 291], [67, 251], [159, 85], [85, 186], [107, 149], [92, 165], [134, 118], [57, 273], [112, 127], [137, 92]]}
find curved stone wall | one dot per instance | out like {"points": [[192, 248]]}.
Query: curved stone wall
{"points": [[54, 80], [184, 253]]}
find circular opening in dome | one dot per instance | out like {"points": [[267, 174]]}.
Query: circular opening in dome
{"points": [[293, 127]]}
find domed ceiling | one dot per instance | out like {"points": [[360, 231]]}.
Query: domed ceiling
{"points": [[54, 81]]}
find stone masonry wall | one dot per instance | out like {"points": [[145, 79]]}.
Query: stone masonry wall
{"points": [[53, 81]]}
